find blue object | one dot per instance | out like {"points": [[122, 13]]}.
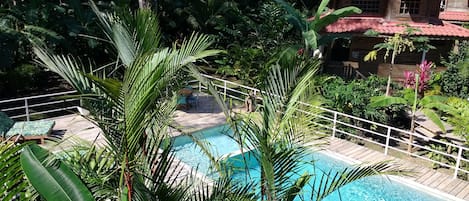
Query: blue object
{"points": [[220, 142]]}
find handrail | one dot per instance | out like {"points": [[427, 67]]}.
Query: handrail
{"points": [[54, 106], [387, 135], [38, 96], [335, 125]]}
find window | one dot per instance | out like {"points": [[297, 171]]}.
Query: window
{"points": [[367, 6], [410, 7], [442, 5]]}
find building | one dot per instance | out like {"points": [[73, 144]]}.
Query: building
{"points": [[346, 52], [455, 11]]}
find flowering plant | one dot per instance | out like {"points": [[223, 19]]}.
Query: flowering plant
{"points": [[424, 70]]}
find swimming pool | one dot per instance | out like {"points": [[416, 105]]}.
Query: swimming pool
{"points": [[368, 189]]}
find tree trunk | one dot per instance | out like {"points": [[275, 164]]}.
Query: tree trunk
{"points": [[414, 108], [393, 57], [424, 54], [141, 4]]}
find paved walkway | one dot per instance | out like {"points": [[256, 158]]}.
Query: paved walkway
{"points": [[207, 114]]}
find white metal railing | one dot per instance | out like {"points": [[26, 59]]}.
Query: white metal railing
{"points": [[36, 105], [335, 123]]}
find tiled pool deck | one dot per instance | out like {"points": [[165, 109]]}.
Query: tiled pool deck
{"points": [[207, 114]]}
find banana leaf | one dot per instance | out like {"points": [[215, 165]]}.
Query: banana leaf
{"points": [[53, 180]]}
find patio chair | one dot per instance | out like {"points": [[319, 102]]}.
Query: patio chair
{"points": [[182, 103], [25, 130]]}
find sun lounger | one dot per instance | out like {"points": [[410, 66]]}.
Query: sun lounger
{"points": [[25, 130]]}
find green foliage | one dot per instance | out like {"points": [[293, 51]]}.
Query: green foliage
{"points": [[439, 157], [453, 81], [96, 167], [432, 106], [267, 31], [51, 178], [69, 26], [278, 132], [354, 97], [394, 45], [14, 183], [460, 119], [310, 28], [132, 108]]}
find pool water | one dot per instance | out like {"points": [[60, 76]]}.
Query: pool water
{"points": [[217, 139], [375, 188]]}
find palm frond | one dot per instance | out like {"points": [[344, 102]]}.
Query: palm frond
{"points": [[67, 67], [97, 167], [14, 184], [226, 189]]}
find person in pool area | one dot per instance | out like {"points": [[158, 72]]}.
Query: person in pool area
{"points": [[250, 102]]}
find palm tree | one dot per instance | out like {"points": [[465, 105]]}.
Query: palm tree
{"points": [[131, 106], [281, 135]]}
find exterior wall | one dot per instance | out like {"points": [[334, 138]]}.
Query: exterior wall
{"points": [[428, 9], [457, 5], [406, 61], [399, 69], [390, 10]]}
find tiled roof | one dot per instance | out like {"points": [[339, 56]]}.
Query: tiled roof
{"points": [[455, 16], [362, 24]]}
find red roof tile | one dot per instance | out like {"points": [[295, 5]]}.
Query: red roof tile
{"points": [[455, 16], [361, 24]]}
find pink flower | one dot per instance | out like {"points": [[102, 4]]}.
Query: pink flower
{"points": [[409, 81], [424, 70], [300, 51]]}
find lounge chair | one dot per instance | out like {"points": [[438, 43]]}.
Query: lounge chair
{"points": [[25, 130]]}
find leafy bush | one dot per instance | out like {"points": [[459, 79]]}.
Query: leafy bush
{"points": [[453, 82], [354, 97], [460, 120]]}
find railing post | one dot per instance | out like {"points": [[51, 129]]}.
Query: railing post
{"points": [[334, 126], [224, 89], [458, 161], [26, 107], [200, 86], [388, 136]]}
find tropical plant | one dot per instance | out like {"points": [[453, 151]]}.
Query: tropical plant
{"points": [[310, 27], [460, 119], [455, 80], [52, 179], [278, 132], [69, 27], [133, 109], [14, 184], [424, 71], [395, 45], [428, 105]]}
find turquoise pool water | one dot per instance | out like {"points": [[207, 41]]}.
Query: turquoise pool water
{"points": [[217, 139], [368, 189]]}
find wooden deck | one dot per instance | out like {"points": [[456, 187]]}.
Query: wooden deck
{"points": [[421, 174], [207, 114]]}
